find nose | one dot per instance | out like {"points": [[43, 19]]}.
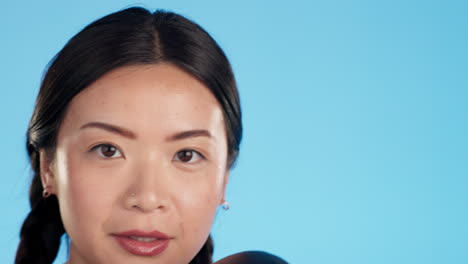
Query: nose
{"points": [[148, 190]]}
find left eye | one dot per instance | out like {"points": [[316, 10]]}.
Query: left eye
{"points": [[188, 156]]}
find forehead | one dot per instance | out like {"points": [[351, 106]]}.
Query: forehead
{"points": [[149, 99]]}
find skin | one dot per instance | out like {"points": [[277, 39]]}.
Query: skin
{"points": [[95, 183]]}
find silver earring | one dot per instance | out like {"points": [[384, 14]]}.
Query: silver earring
{"points": [[45, 193], [225, 206]]}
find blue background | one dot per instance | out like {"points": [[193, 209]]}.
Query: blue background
{"points": [[355, 114]]}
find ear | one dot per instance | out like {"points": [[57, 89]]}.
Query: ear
{"points": [[225, 182], [47, 172]]}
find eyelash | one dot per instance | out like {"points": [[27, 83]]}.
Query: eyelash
{"points": [[201, 157], [98, 148]]}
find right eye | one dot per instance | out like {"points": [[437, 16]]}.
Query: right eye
{"points": [[107, 151]]}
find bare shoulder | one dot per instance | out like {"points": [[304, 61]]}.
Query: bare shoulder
{"points": [[252, 257]]}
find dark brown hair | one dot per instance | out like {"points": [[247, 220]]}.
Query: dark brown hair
{"points": [[133, 36]]}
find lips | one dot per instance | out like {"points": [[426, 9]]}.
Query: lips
{"points": [[143, 243]]}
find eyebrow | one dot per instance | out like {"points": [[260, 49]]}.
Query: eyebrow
{"points": [[110, 128], [129, 134], [190, 134]]}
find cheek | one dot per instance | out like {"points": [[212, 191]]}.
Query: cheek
{"points": [[200, 200], [85, 197]]}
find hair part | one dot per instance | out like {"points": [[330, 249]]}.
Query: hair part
{"points": [[133, 36]]}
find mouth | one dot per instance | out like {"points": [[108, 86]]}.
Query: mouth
{"points": [[142, 243], [143, 239]]}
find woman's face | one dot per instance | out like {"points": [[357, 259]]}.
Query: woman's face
{"points": [[140, 151]]}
